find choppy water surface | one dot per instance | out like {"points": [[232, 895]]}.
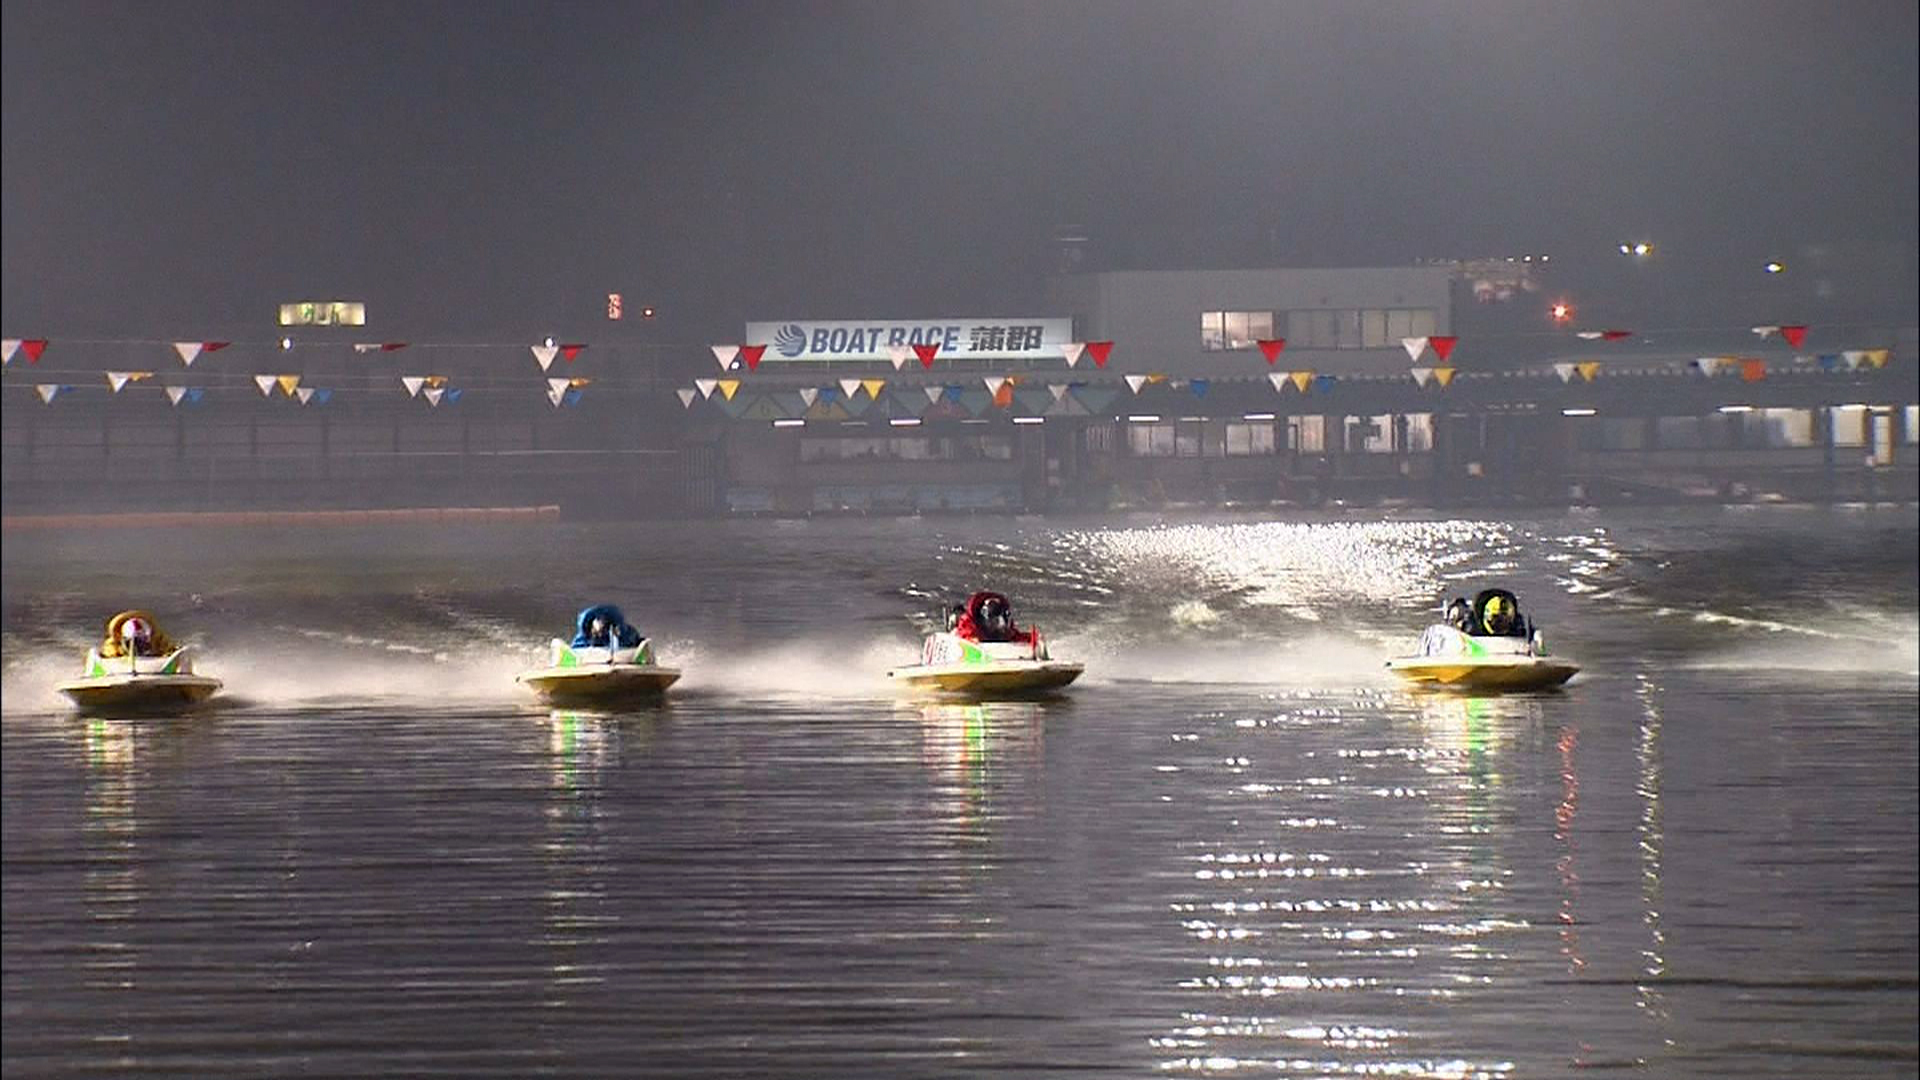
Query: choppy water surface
{"points": [[1233, 849]]}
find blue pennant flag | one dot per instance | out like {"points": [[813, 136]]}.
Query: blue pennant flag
{"points": [[321, 397], [1198, 386], [829, 393], [195, 393], [572, 398], [1829, 361], [953, 393], [453, 395], [1323, 383]]}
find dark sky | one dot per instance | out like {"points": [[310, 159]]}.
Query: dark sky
{"points": [[484, 166]]}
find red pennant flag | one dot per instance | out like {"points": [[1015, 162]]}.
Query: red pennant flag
{"points": [[571, 351], [395, 346], [1615, 335], [1755, 370], [33, 347], [1442, 346], [214, 346], [1099, 350], [1271, 348], [752, 354], [926, 353], [1794, 335]]}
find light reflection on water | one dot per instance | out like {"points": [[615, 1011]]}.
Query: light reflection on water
{"points": [[1234, 848]]}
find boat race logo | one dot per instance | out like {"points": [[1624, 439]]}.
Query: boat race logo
{"points": [[790, 340]]}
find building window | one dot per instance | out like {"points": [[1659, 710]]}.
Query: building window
{"points": [[1363, 328], [1227, 330], [1307, 434], [1247, 440], [1188, 439], [1150, 440]]}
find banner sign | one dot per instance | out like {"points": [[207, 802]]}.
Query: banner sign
{"points": [[956, 339]]}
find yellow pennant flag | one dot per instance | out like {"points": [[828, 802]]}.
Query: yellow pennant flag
{"points": [[1879, 357], [1443, 375], [436, 380], [1588, 369], [288, 383], [873, 387], [578, 381], [1301, 379], [1156, 377], [729, 387]]}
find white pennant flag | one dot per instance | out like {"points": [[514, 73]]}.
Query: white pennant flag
{"points": [[1708, 364], [1135, 382], [808, 395], [304, 393], [1414, 346], [556, 394], [558, 386], [8, 346], [725, 354], [265, 383], [118, 379], [1072, 350], [994, 383], [545, 354], [1590, 335], [1565, 371], [189, 352], [46, 390], [1766, 331], [433, 395], [1058, 390], [413, 383], [1855, 357], [686, 397], [1279, 381], [849, 387], [706, 386], [364, 347], [933, 393], [1421, 375], [899, 354], [175, 393]]}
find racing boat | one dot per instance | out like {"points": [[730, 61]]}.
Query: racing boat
{"points": [[590, 675], [139, 684], [983, 651], [1475, 651]]}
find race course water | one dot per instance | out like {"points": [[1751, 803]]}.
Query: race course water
{"points": [[1235, 848]]}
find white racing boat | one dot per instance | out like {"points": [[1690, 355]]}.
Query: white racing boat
{"points": [[950, 664], [139, 684], [595, 676], [1452, 657]]}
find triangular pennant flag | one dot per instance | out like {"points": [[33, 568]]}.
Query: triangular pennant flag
{"points": [[1058, 390], [1829, 361], [849, 386], [453, 394], [545, 354], [118, 379], [1854, 358], [953, 393], [436, 380], [413, 383], [304, 393], [1766, 331], [994, 383], [392, 346], [729, 387], [686, 396], [1270, 348], [1199, 386], [1753, 370], [1414, 346], [706, 386], [873, 387], [556, 394], [899, 355], [933, 393], [195, 393], [808, 395], [1589, 335], [364, 347], [724, 354], [265, 383], [926, 353], [1443, 375], [287, 383], [571, 351], [1794, 335], [1003, 397], [1565, 371], [433, 395], [1421, 375], [1279, 381], [189, 351], [572, 399], [175, 393], [33, 348], [752, 354], [1100, 350], [1072, 350], [1708, 365], [9, 346], [1615, 335], [46, 391], [322, 396], [1589, 369], [1156, 377], [1442, 345], [1879, 357], [214, 346], [579, 380], [1135, 382], [1300, 379]]}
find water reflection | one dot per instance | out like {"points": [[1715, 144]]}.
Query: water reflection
{"points": [[1652, 999], [111, 886], [578, 917]]}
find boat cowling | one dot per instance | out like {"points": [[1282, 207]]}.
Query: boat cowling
{"points": [[177, 662]]}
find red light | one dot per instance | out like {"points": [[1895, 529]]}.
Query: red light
{"points": [[1562, 312]]}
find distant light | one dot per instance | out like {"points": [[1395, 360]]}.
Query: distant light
{"points": [[1577, 412], [905, 421], [1626, 249], [1545, 258], [1775, 267], [646, 313], [1852, 408], [1643, 248], [1526, 258], [1144, 418], [1258, 416], [790, 422], [1736, 408], [1562, 312], [1029, 419], [286, 344], [549, 342]]}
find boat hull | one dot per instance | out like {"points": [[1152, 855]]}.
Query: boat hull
{"points": [[1013, 677], [1506, 673], [601, 685], [125, 692]]}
